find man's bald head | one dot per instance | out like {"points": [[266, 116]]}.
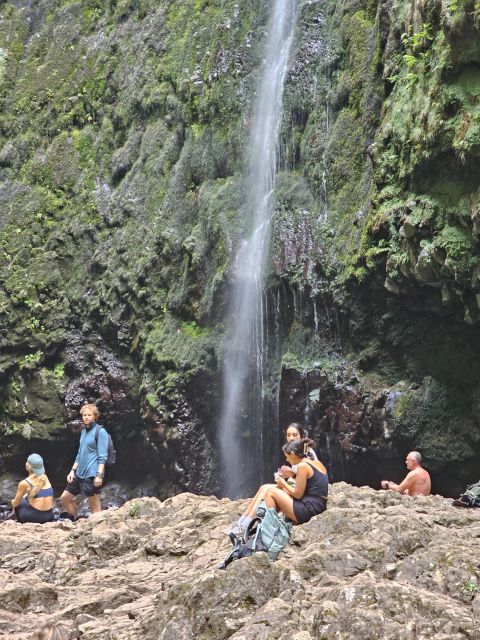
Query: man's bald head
{"points": [[413, 460]]}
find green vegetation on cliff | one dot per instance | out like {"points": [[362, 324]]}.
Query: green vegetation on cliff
{"points": [[120, 150], [427, 150], [123, 126]]}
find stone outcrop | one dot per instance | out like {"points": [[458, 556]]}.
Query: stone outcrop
{"points": [[375, 565], [123, 130]]}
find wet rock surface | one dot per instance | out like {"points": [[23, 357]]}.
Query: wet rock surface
{"points": [[374, 565], [363, 429]]}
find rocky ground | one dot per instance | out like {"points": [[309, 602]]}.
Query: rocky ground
{"points": [[375, 565]]}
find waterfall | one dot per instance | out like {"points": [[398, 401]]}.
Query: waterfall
{"points": [[243, 433]]}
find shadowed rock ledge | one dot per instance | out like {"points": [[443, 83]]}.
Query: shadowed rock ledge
{"points": [[375, 565]]}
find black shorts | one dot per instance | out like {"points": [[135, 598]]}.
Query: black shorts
{"points": [[84, 486], [26, 513], [307, 507]]}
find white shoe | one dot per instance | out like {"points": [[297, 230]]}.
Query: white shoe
{"points": [[235, 530]]}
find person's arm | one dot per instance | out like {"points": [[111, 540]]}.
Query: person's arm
{"points": [[71, 474], [300, 482], [102, 450], [286, 472], [98, 480], [404, 487], [22, 490]]}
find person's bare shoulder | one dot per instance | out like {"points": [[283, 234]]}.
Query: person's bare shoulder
{"points": [[23, 487], [303, 465], [409, 479], [320, 466], [416, 473]]}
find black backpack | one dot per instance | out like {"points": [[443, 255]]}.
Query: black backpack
{"points": [[111, 454]]}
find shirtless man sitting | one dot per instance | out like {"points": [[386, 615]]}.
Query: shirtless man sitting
{"points": [[417, 481]]}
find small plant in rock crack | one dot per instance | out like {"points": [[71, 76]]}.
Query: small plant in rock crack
{"points": [[470, 588], [134, 510]]}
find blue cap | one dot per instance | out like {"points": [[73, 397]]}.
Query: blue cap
{"points": [[36, 464]]}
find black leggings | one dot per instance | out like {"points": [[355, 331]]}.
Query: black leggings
{"points": [[26, 513]]}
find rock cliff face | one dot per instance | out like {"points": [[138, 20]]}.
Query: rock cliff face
{"points": [[122, 137], [374, 566]]}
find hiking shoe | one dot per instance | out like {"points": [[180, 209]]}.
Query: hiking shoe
{"points": [[235, 531], [66, 516]]}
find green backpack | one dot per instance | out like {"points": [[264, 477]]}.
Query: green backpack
{"points": [[273, 532], [472, 492], [268, 532]]}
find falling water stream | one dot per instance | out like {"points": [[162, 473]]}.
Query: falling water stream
{"points": [[243, 431]]}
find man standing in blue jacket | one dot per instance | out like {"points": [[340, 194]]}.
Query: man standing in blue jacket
{"points": [[86, 475]]}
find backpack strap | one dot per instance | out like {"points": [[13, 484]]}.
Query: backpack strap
{"points": [[254, 522], [256, 538], [97, 431], [254, 527]]}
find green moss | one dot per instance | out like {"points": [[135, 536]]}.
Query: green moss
{"points": [[32, 406], [92, 10], [459, 246], [59, 371], [177, 346], [424, 419], [426, 148], [30, 360], [134, 510], [152, 400], [83, 143], [356, 33], [192, 330]]}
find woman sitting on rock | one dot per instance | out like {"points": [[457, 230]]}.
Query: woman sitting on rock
{"points": [[294, 431], [308, 497], [34, 499]]}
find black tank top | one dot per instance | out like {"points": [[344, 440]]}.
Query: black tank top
{"points": [[317, 485]]}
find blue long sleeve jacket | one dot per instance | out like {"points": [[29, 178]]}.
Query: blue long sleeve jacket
{"points": [[90, 453]]}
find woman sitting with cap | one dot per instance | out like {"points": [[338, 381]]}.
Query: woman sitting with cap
{"points": [[34, 499]]}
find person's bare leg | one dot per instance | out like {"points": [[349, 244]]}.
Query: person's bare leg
{"points": [[251, 511], [281, 501], [94, 503], [68, 503], [253, 500], [261, 494]]}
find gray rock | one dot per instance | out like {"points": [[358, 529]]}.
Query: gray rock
{"points": [[374, 565]]}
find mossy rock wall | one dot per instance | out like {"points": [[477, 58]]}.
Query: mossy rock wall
{"points": [[120, 153], [123, 128]]}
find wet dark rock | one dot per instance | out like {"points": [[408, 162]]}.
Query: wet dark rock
{"points": [[363, 432]]}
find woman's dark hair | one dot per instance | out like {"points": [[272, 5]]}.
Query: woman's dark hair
{"points": [[296, 425], [299, 447]]}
